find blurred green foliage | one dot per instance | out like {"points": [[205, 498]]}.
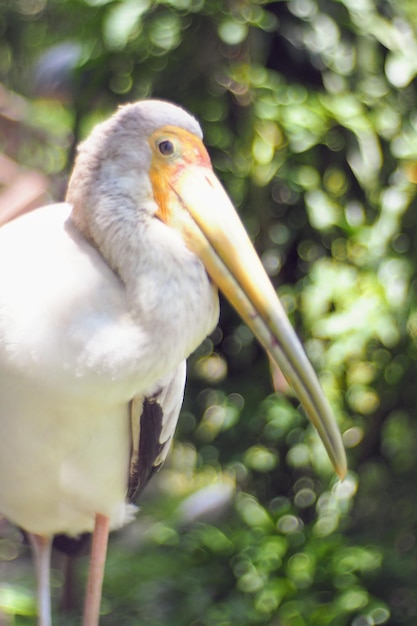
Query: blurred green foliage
{"points": [[309, 113]]}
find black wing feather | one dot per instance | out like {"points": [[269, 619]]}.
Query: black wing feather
{"points": [[153, 423], [149, 447]]}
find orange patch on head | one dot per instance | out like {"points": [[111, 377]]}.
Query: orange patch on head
{"points": [[161, 192], [166, 166]]}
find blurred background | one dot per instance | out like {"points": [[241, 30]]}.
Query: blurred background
{"points": [[309, 113]]}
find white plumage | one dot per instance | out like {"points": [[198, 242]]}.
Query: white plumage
{"points": [[73, 355], [102, 299]]}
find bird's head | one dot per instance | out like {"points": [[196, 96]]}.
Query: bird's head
{"points": [[173, 177]]}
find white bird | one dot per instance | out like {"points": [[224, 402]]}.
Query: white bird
{"points": [[102, 299]]}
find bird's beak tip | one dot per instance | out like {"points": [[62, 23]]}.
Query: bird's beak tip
{"points": [[341, 473]]}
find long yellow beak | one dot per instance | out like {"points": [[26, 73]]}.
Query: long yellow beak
{"points": [[217, 235]]}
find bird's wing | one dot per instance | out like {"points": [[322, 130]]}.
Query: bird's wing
{"points": [[153, 422]]}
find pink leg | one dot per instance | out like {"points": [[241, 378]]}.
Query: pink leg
{"points": [[96, 571], [41, 548]]}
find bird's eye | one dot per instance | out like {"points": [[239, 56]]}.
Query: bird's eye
{"points": [[166, 147]]}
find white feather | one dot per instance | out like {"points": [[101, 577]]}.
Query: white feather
{"points": [[86, 328]]}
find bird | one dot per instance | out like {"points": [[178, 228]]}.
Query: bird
{"points": [[102, 299]]}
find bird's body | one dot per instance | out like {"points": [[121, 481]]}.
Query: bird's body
{"points": [[78, 351], [102, 299]]}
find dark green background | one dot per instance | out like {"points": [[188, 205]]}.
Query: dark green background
{"points": [[309, 113]]}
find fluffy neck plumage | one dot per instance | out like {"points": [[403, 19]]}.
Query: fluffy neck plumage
{"points": [[167, 288]]}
